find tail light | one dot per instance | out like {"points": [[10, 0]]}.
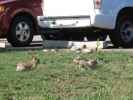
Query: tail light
{"points": [[97, 4]]}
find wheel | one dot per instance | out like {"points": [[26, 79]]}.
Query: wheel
{"points": [[21, 32], [123, 34]]}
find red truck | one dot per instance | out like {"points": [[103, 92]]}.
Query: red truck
{"points": [[18, 20]]}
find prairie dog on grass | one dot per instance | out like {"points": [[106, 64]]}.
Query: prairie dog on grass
{"points": [[28, 65], [85, 63]]}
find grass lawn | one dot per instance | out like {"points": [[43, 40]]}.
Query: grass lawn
{"points": [[57, 78]]}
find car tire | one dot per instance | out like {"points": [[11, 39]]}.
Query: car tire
{"points": [[122, 36], [21, 32]]}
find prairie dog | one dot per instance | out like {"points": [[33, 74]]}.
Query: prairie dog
{"points": [[85, 63], [28, 65]]}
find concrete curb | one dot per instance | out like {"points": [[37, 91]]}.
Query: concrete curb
{"points": [[118, 50], [69, 44], [57, 44]]}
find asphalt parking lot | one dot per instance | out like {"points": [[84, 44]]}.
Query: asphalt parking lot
{"points": [[38, 44], [35, 45]]}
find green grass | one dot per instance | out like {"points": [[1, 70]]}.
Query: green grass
{"points": [[57, 78]]}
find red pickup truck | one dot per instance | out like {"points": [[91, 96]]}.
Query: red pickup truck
{"points": [[18, 20]]}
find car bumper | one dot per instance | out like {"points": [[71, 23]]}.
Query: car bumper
{"points": [[63, 22], [99, 20]]}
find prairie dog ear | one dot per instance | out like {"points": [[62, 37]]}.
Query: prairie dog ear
{"points": [[35, 57]]}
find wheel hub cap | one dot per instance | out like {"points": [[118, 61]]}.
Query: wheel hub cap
{"points": [[23, 31], [127, 32]]}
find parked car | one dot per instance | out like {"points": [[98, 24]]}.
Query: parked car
{"points": [[101, 16], [18, 20]]}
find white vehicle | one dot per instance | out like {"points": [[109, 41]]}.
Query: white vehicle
{"points": [[114, 16]]}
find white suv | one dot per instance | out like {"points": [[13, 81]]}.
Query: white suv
{"points": [[114, 16]]}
